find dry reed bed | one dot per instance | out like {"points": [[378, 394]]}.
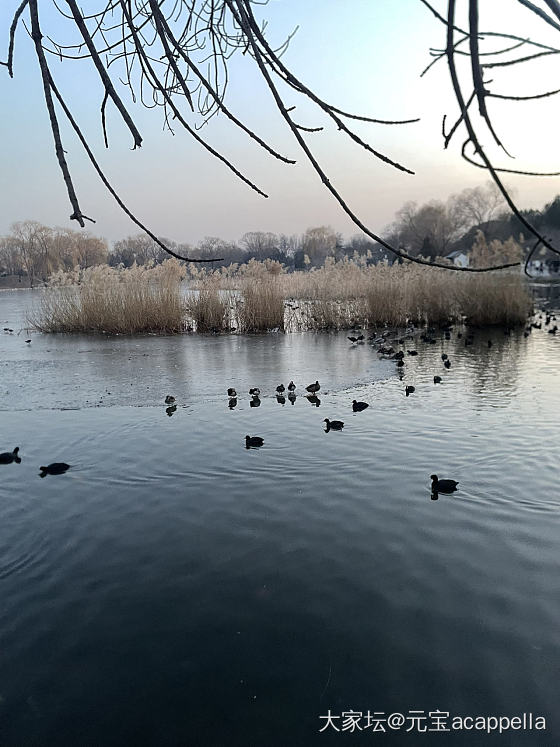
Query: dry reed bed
{"points": [[105, 299], [261, 296]]}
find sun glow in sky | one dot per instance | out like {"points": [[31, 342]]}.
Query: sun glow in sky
{"points": [[363, 56]]}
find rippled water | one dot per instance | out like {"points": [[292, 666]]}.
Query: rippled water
{"points": [[174, 588]]}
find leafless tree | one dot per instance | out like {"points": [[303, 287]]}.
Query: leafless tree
{"points": [[175, 54], [37, 250], [427, 230], [477, 206]]}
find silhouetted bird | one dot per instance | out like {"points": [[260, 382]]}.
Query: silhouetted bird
{"points": [[409, 390], [56, 468], [28, 341], [443, 486], [7, 457], [400, 363], [313, 388], [447, 363], [412, 352], [231, 392], [169, 400], [444, 356], [255, 391], [334, 425], [280, 389], [291, 386], [253, 442], [356, 339], [437, 379], [359, 406]]}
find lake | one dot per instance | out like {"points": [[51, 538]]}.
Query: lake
{"points": [[176, 588]]}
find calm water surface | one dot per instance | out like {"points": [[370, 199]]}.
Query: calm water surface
{"points": [[174, 588]]}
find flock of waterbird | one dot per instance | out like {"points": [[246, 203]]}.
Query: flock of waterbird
{"points": [[384, 345], [255, 442]]}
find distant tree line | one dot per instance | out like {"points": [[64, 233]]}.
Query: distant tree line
{"points": [[35, 251], [430, 230]]}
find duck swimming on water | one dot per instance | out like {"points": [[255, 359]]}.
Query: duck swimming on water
{"points": [[253, 442], [359, 406], [7, 457], [443, 486], [333, 425], [313, 388], [56, 468]]}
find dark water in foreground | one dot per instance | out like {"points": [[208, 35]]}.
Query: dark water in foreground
{"points": [[174, 588]]}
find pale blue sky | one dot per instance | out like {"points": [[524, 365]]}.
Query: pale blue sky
{"points": [[361, 55]]}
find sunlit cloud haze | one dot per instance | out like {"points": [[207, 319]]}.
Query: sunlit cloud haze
{"points": [[363, 56]]}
